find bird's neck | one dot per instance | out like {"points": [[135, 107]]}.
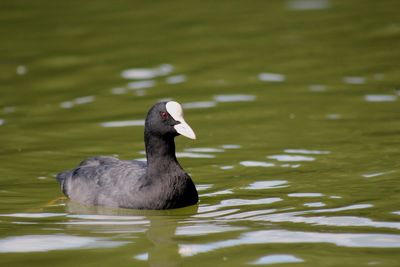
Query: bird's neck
{"points": [[160, 154]]}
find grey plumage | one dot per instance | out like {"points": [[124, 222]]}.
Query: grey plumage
{"points": [[159, 184]]}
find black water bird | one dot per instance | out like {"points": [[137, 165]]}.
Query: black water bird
{"points": [[161, 183]]}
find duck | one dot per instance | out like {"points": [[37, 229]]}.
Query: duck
{"points": [[157, 184]]}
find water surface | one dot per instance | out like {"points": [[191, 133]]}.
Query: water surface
{"points": [[295, 105]]}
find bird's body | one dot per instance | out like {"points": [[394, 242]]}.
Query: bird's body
{"points": [[161, 183]]}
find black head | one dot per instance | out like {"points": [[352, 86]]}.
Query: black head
{"points": [[166, 119]]}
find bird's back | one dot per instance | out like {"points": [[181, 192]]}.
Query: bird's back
{"points": [[104, 181]]}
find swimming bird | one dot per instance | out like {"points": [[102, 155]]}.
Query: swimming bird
{"points": [[161, 183]]}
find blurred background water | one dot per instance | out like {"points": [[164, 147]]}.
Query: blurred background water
{"points": [[295, 104]]}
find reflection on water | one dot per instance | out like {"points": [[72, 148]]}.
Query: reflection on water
{"points": [[308, 4], [205, 229], [141, 84], [234, 98], [40, 243], [22, 70], [380, 98], [176, 79], [305, 195], [354, 80], [267, 185], [291, 158], [231, 146], [271, 77], [147, 73], [249, 163], [314, 204], [118, 91], [194, 155], [284, 236], [374, 174], [200, 104], [298, 130], [317, 88], [306, 151], [78, 101], [277, 258]]}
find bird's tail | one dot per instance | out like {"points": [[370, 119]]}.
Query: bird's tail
{"points": [[62, 179]]}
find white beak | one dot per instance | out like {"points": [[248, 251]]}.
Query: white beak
{"points": [[176, 112]]}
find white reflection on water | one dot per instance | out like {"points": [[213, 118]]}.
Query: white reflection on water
{"points": [[276, 258], [267, 184], [217, 193], [249, 163], [9, 109], [204, 211], [314, 204], [147, 73], [77, 101], [354, 80], [205, 229], [118, 91], [271, 77], [201, 187], [199, 104], [123, 123], [317, 88], [380, 98], [142, 257], [308, 4], [176, 79], [289, 158], [39, 243], [2, 121], [231, 146], [370, 175], [285, 236], [234, 98], [105, 217], [227, 167], [333, 116], [194, 155], [350, 221], [22, 70], [33, 215], [141, 84], [305, 195], [240, 202], [306, 151], [286, 165], [105, 222]]}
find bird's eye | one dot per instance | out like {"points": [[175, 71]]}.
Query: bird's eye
{"points": [[164, 115]]}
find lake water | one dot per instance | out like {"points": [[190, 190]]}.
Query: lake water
{"points": [[296, 106]]}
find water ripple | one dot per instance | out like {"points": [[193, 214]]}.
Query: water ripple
{"points": [[40, 243], [234, 98], [205, 229], [284, 236], [289, 158], [277, 258], [267, 184], [250, 163]]}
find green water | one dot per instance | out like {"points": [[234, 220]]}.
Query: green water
{"points": [[304, 93]]}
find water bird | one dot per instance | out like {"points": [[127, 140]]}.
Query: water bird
{"points": [[159, 183]]}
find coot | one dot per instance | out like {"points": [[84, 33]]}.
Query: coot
{"points": [[161, 183]]}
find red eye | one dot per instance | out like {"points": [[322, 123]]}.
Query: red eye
{"points": [[164, 115]]}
